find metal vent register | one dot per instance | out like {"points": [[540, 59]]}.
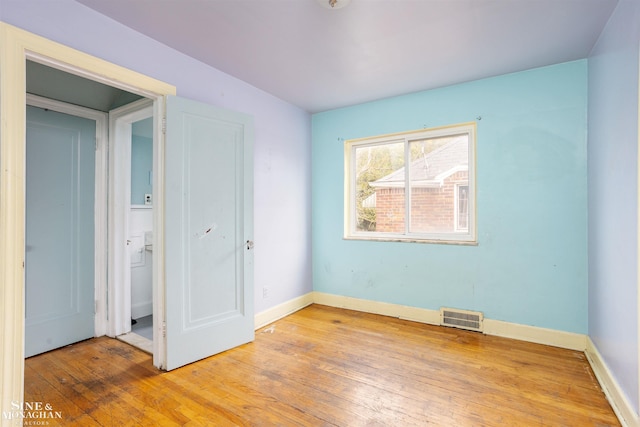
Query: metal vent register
{"points": [[463, 319]]}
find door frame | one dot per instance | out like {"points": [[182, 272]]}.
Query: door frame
{"points": [[17, 46], [100, 203], [119, 281]]}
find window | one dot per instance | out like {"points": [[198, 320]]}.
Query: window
{"points": [[437, 166]]}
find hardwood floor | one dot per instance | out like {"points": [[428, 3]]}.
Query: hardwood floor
{"points": [[327, 366]]}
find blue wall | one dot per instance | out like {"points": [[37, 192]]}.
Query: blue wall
{"points": [[530, 266], [141, 165], [282, 147], [613, 196], [141, 161]]}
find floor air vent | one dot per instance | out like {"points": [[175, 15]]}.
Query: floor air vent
{"points": [[463, 319]]}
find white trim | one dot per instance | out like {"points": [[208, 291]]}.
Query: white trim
{"points": [[516, 331], [158, 254], [534, 334], [282, 310], [638, 246], [100, 197], [141, 309], [415, 314], [12, 219], [612, 390]]}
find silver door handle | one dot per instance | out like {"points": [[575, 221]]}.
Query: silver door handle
{"points": [[249, 244]]}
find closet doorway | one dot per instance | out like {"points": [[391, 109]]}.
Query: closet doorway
{"points": [[73, 206]]}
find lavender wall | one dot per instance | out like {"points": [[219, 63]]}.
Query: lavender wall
{"points": [[613, 196], [282, 141]]}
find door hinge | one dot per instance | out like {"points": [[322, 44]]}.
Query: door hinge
{"points": [[96, 144], [95, 307], [164, 125], [164, 329]]}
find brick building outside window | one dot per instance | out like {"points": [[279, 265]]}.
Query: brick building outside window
{"points": [[439, 183]]}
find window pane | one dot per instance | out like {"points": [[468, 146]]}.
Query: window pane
{"points": [[439, 166], [379, 198]]}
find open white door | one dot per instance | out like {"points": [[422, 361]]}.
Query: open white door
{"points": [[208, 217]]}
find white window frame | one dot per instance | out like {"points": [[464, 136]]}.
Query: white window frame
{"points": [[468, 236]]}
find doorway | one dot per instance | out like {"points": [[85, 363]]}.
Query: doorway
{"points": [[141, 228], [131, 232], [236, 130], [66, 266], [16, 48]]}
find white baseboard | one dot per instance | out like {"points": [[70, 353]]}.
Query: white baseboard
{"points": [[611, 388], [141, 310], [279, 311], [516, 331], [421, 315], [552, 337]]}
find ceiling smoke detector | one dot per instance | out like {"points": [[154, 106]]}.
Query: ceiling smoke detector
{"points": [[333, 4]]}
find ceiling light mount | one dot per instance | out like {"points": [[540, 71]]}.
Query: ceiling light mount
{"points": [[333, 4]]}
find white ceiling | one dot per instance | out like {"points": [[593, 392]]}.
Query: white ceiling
{"points": [[321, 59]]}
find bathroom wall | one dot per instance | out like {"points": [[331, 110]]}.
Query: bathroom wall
{"points": [[141, 160], [140, 251]]}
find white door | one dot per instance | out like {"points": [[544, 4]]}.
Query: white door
{"points": [[59, 258], [208, 231]]}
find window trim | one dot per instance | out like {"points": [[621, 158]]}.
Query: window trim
{"points": [[468, 237]]}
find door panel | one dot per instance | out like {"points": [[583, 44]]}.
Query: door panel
{"points": [[208, 217], [59, 259]]}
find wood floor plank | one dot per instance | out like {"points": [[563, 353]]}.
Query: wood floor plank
{"points": [[324, 366]]}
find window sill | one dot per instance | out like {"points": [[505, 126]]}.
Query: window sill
{"points": [[413, 240]]}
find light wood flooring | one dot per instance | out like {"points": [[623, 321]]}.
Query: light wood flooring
{"points": [[324, 366]]}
